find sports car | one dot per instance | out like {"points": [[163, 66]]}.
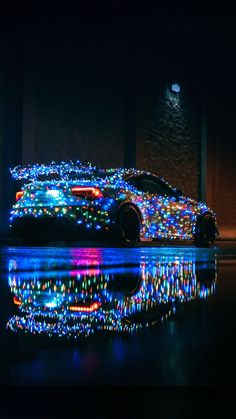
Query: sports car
{"points": [[72, 199]]}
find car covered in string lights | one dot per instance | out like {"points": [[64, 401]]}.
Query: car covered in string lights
{"points": [[75, 199]]}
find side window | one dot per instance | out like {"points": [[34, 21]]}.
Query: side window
{"points": [[134, 181], [155, 187], [151, 185]]}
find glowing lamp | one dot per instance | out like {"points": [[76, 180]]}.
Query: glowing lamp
{"points": [[175, 87]]}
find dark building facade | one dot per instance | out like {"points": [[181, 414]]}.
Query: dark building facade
{"points": [[102, 93]]}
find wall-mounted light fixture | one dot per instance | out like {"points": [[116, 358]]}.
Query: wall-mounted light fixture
{"points": [[175, 87]]}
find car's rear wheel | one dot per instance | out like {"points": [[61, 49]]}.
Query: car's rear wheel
{"points": [[26, 229], [127, 225], [205, 231]]}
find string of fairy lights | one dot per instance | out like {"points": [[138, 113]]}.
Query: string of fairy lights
{"points": [[62, 169], [80, 303], [163, 216]]}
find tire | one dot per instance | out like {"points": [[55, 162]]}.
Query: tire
{"points": [[205, 231], [127, 225]]}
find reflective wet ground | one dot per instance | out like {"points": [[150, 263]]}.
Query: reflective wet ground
{"points": [[109, 316]]}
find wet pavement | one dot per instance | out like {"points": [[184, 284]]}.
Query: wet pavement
{"points": [[143, 315]]}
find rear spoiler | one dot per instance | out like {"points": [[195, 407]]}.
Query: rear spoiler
{"points": [[63, 170]]}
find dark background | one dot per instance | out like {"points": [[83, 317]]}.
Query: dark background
{"points": [[93, 83]]}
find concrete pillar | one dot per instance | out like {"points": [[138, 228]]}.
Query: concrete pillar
{"points": [[130, 124], [203, 157], [12, 124], [28, 122]]}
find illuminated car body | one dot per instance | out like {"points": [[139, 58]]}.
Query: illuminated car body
{"points": [[91, 200]]}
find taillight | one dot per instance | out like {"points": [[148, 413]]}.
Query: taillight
{"points": [[19, 195], [17, 301], [86, 192]]}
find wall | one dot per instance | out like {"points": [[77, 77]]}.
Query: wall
{"points": [[73, 102], [221, 173], [169, 137], [1, 123], [10, 120]]}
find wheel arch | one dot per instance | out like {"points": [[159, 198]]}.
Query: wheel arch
{"points": [[201, 230], [131, 204], [202, 215]]}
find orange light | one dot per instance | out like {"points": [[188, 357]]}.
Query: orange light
{"points": [[87, 309], [86, 191], [19, 195], [17, 301]]}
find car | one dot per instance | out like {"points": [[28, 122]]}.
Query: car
{"points": [[73, 199]]}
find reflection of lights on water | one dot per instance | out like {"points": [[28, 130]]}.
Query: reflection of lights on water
{"points": [[12, 265], [87, 309], [82, 302], [54, 193], [51, 304]]}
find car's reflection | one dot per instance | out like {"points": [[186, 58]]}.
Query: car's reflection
{"points": [[92, 297]]}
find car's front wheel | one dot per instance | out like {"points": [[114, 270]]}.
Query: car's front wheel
{"points": [[205, 231], [127, 225]]}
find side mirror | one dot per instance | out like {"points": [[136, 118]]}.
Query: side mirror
{"points": [[178, 192]]}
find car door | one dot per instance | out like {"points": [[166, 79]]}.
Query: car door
{"points": [[165, 214]]}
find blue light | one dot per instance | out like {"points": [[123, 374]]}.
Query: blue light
{"points": [[175, 87], [54, 193], [51, 304]]}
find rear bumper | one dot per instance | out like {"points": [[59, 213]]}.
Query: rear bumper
{"points": [[50, 228], [88, 218]]}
